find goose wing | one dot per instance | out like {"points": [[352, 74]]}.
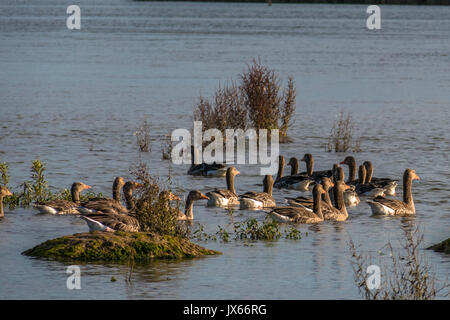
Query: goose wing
{"points": [[264, 197], [117, 222], [106, 206], [398, 206]]}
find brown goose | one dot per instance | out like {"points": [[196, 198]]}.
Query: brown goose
{"points": [[308, 202], [392, 207], [351, 198], [225, 197], [189, 207], [351, 163], [387, 183], [110, 221], [64, 206], [259, 200], [300, 214], [299, 182], [105, 205], [315, 175], [204, 169], [4, 192], [339, 212]]}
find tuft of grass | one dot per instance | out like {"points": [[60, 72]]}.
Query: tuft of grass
{"points": [[341, 135], [166, 147], [407, 277], [142, 134], [153, 210], [4, 177]]}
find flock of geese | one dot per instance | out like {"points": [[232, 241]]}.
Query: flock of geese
{"points": [[331, 195]]}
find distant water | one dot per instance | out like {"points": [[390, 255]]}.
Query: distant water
{"points": [[74, 98]]}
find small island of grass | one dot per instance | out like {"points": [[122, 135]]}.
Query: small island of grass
{"points": [[117, 247]]}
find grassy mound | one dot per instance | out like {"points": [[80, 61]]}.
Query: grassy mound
{"points": [[444, 246], [117, 247]]}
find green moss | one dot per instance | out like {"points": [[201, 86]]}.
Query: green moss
{"points": [[118, 247], [444, 246]]}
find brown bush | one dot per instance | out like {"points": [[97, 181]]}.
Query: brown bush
{"points": [[255, 102]]}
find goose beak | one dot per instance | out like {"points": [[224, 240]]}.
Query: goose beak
{"points": [[204, 197], [346, 187], [342, 162], [87, 187]]}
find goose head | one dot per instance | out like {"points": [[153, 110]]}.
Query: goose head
{"points": [[4, 192], [197, 195]]}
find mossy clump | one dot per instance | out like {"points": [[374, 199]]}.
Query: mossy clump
{"points": [[117, 247], [444, 246]]}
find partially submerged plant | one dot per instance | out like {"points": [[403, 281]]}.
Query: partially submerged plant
{"points": [[253, 103], [341, 136], [408, 277], [143, 136]]}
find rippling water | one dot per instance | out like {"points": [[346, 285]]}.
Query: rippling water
{"points": [[74, 98]]}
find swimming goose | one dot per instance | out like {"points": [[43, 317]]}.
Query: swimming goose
{"points": [[308, 202], [204, 169], [380, 182], [64, 206], [351, 198], [299, 182], [4, 192], [105, 205], [222, 197], [339, 212], [351, 163], [301, 214], [315, 175], [109, 220], [259, 200], [189, 207], [392, 207]]}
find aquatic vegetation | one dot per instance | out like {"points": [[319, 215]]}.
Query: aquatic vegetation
{"points": [[408, 277], [4, 177], [341, 136], [166, 147], [117, 247], [249, 229], [142, 134], [152, 210], [255, 102]]}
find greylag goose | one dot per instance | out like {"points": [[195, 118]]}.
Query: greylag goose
{"points": [[4, 192], [389, 184], [392, 207], [225, 197], [315, 175], [301, 214], [338, 213], [204, 169], [189, 207], [109, 220], [105, 205], [299, 182], [259, 200], [308, 202], [64, 206], [351, 163], [351, 198]]}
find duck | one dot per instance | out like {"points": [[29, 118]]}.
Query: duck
{"points": [[299, 182], [351, 198], [339, 211], [4, 192], [63, 206], [225, 197], [315, 175], [259, 200], [109, 220], [103, 204], [301, 214], [387, 183], [392, 207], [204, 169], [188, 214]]}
